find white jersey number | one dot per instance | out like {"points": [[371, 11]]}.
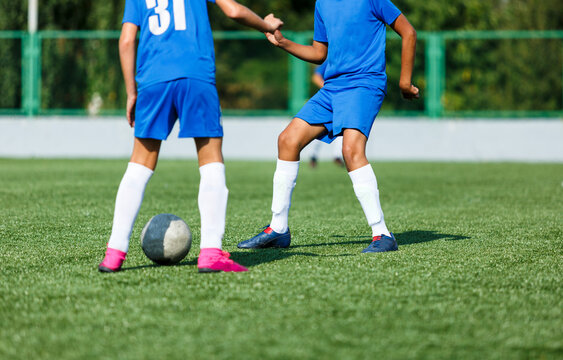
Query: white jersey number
{"points": [[160, 22]]}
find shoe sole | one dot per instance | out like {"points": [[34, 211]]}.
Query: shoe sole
{"points": [[371, 252], [264, 247], [207, 270], [272, 244], [104, 269], [277, 246]]}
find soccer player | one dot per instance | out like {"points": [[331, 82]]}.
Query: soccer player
{"points": [[351, 38], [318, 79], [175, 80]]}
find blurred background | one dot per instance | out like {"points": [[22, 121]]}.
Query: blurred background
{"points": [[490, 70]]}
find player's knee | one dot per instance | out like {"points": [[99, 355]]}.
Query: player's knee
{"points": [[352, 154], [286, 141], [347, 151]]}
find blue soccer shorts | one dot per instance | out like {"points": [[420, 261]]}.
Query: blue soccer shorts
{"points": [[343, 108], [194, 103]]}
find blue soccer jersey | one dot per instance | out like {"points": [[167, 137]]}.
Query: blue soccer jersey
{"points": [[175, 40], [355, 33]]}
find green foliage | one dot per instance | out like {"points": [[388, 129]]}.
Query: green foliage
{"points": [[80, 14], [79, 73], [504, 75], [394, 99], [251, 74], [442, 15], [296, 14], [13, 15], [11, 74], [491, 74]]}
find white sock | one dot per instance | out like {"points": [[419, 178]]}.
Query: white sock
{"points": [[284, 183], [127, 204], [212, 202], [365, 187]]}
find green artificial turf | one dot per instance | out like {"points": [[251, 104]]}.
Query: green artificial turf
{"points": [[478, 274]]}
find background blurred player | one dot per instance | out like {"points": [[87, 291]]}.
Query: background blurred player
{"points": [[319, 80], [352, 40], [175, 80]]}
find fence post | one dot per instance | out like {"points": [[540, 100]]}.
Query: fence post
{"points": [[26, 73], [31, 74], [436, 74], [298, 77]]}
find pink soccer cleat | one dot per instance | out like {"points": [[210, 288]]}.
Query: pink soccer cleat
{"points": [[112, 261], [215, 260]]}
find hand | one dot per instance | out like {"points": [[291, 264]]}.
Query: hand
{"points": [[275, 38], [131, 102], [410, 92], [273, 22]]}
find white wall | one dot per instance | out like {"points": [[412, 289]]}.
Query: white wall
{"points": [[529, 140]]}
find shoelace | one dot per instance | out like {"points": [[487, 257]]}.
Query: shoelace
{"points": [[225, 258]]}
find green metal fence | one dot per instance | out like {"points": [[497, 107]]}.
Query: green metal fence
{"points": [[461, 73]]}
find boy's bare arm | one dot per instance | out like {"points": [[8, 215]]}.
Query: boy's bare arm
{"points": [[315, 53], [127, 54], [245, 16], [408, 34]]}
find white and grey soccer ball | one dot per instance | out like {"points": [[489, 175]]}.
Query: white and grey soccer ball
{"points": [[166, 239]]}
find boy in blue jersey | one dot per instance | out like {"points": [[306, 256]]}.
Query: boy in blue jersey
{"points": [[351, 37], [175, 80]]}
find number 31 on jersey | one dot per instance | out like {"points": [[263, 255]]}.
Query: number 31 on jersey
{"points": [[160, 22]]}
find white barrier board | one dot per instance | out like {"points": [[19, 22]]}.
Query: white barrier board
{"points": [[255, 138]]}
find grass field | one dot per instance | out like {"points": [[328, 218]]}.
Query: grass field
{"points": [[478, 274]]}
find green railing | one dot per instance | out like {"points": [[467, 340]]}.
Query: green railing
{"points": [[433, 45]]}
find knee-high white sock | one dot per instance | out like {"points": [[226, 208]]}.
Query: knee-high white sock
{"points": [[127, 204], [212, 202], [365, 187], [284, 183]]}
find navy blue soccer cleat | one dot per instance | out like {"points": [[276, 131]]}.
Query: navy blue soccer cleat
{"points": [[382, 243], [267, 239]]}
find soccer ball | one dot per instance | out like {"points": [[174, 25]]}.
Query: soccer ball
{"points": [[166, 239]]}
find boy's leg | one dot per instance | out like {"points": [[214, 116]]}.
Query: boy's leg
{"points": [[213, 192], [354, 149], [212, 202], [128, 201], [364, 181], [354, 112], [290, 143]]}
